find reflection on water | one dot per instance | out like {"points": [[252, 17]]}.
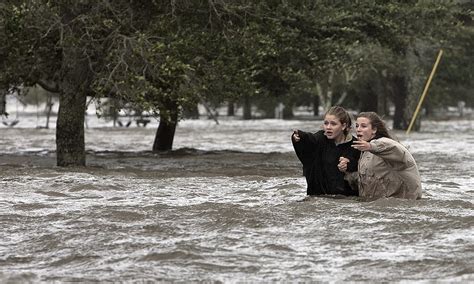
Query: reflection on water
{"points": [[231, 216]]}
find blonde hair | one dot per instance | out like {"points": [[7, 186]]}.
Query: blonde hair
{"points": [[343, 115]]}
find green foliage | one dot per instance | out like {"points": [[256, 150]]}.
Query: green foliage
{"points": [[455, 77], [154, 54]]}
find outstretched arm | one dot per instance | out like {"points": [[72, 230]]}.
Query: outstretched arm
{"points": [[387, 149], [305, 145]]}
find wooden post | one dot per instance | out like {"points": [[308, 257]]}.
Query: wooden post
{"points": [[424, 91]]}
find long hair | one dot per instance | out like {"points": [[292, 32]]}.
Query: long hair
{"points": [[343, 116], [377, 123]]}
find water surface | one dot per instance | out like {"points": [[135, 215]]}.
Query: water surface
{"points": [[225, 206]]}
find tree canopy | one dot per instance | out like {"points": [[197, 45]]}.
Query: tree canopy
{"points": [[165, 56]]}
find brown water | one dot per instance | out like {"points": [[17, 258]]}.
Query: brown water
{"points": [[202, 213]]}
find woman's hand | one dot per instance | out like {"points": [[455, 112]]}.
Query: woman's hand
{"points": [[342, 166], [361, 145], [296, 136]]}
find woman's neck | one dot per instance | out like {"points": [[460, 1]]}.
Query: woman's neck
{"points": [[340, 139]]}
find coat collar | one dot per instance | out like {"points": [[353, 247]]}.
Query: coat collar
{"points": [[347, 139]]}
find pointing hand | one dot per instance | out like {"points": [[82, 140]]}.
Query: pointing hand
{"points": [[296, 136], [361, 145]]}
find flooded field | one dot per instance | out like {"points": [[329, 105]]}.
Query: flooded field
{"points": [[224, 206]]}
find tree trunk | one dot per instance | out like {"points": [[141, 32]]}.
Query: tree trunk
{"points": [[325, 91], [3, 104], [383, 92], [247, 106], [400, 94], [75, 82], [70, 145], [230, 109], [288, 110], [49, 108], [164, 136], [382, 103], [166, 129], [316, 105], [368, 102]]}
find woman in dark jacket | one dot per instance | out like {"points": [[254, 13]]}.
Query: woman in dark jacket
{"points": [[321, 153]]}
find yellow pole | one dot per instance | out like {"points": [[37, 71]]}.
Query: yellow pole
{"points": [[424, 91]]}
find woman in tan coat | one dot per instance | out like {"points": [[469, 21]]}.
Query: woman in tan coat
{"points": [[386, 168]]}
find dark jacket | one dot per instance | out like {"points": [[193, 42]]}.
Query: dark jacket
{"points": [[320, 157]]}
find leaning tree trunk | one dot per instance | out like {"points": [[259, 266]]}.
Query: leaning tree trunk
{"points": [[70, 145], [166, 129]]}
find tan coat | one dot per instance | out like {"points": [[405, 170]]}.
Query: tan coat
{"points": [[388, 170]]}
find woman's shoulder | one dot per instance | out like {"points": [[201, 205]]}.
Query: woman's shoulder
{"points": [[385, 140], [314, 138], [318, 134], [384, 144]]}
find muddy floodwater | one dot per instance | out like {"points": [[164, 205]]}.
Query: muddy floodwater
{"points": [[224, 206]]}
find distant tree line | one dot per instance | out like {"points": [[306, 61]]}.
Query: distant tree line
{"points": [[167, 56]]}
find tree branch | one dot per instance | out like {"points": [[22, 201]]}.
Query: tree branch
{"points": [[52, 87]]}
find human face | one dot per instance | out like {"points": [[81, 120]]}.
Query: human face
{"points": [[333, 128], [364, 129]]}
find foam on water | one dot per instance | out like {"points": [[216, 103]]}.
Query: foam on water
{"points": [[224, 216]]}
